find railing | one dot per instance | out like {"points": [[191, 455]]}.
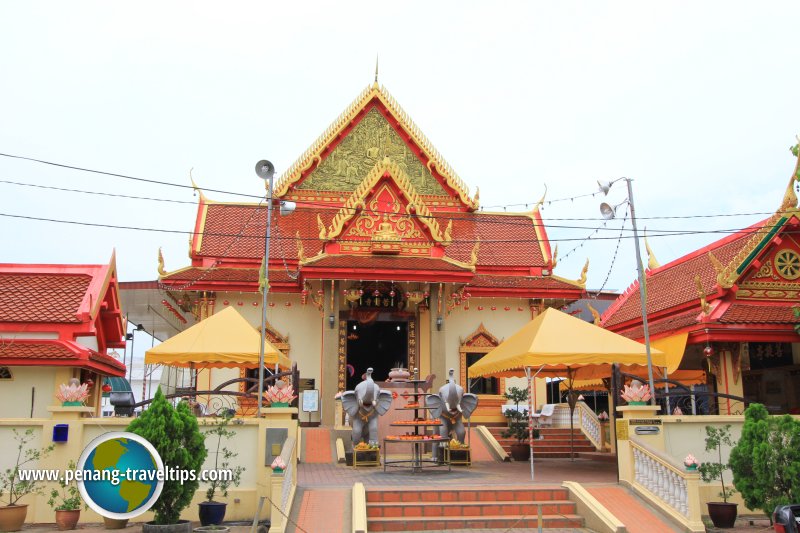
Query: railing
{"points": [[667, 485], [283, 488], [590, 425]]}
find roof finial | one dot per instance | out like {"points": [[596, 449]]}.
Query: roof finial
{"points": [[376, 72], [652, 262], [541, 200], [790, 198]]}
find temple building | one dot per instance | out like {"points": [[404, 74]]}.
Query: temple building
{"points": [[733, 305], [57, 322], [386, 262]]}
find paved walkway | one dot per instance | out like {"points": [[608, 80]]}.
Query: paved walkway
{"points": [[546, 472], [317, 445], [637, 517]]}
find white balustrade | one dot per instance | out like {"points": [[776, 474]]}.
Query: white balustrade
{"points": [[660, 478], [590, 425]]}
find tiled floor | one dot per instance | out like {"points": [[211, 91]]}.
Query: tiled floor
{"points": [[317, 444]]}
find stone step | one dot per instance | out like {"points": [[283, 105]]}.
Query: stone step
{"points": [[466, 495], [497, 523], [498, 508], [464, 509]]}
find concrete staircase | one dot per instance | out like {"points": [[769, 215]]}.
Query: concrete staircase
{"points": [[433, 509], [554, 444]]}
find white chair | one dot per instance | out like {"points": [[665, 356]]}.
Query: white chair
{"points": [[545, 416]]}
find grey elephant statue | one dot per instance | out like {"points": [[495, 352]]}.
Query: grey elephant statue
{"points": [[364, 405], [451, 405]]}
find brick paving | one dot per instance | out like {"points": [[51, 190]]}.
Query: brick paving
{"points": [[637, 517], [317, 445], [322, 510]]}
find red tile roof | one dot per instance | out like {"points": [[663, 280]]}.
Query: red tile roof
{"points": [[237, 232], [521, 282], [33, 352], [669, 324], [758, 313], [673, 284], [245, 275], [42, 297]]}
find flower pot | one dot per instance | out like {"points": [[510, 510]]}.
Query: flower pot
{"points": [[277, 470], [12, 517], [723, 515], [115, 523], [635, 402], [520, 452], [279, 404], [212, 529], [182, 526], [66, 520], [691, 468], [212, 513], [71, 404]]}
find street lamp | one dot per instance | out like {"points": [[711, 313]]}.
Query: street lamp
{"points": [[608, 213], [266, 171]]}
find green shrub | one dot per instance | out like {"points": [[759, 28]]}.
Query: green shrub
{"points": [[766, 462], [173, 432]]}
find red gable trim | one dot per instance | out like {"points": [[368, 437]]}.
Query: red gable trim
{"points": [[46, 352]]}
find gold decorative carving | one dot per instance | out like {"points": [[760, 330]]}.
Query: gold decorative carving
{"points": [[301, 256], [356, 201], [541, 200], [294, 173], [652, 262], [787, 263], [477, 196], [448, 232], [161, 271], [473, 258], [704, 305], [582, 280], [554, 260], [766, 271], [372, 139], [595, 314], [323, 233]]}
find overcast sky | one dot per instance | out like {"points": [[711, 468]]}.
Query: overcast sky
{"points": [[697, 101]]}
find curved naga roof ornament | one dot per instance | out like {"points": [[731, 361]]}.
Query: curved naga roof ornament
{"points": [[584, 272], [435, 159]]}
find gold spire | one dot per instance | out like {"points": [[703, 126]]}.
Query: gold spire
{"points": [[652, 262], [595, 314], [554, 261], [584, 271], [704, 305], [376, 72], [790, 198], [161, 271]]}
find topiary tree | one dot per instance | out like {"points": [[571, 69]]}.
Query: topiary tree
{"points": [[173, 432], [766, 461]]}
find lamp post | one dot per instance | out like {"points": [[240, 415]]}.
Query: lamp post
{"points": [[266, 171], [608, 213]]}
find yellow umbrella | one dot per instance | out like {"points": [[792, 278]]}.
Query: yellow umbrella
{"points": [[686, 377], [225, 339], [563, 346]]}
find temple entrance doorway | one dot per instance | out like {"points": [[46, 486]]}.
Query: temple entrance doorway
{"points": [[381, 344]]}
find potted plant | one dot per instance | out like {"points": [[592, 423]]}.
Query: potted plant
{"points": [[722, 514], [213, 512], [174, 433], [12, 488], [66, 502], [280, 394], [518, 424], [691, 463], [73, 394]]}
